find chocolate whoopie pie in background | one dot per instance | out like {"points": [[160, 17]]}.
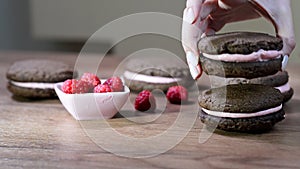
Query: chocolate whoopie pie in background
{"points": [[156, 73], [241, 54], [249, 108], [35, 79], [279, 81]]}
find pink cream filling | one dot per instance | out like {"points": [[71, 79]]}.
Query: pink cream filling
{"points": [[242, 115], [260, 55], [34, 85], [284, 88], [150, 79]]}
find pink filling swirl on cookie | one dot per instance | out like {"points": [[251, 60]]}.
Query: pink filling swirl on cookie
{"points": [[150, 79], [33, 85], [284, 88], [260, 55], [242, 115]]}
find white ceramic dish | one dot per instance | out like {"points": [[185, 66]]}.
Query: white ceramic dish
{"points": [[92, 106]]}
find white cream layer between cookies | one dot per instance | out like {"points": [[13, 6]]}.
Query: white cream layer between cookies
{"points": [[260, 55], [150, 79], [284, 88], [242, 115], [33, 85]]}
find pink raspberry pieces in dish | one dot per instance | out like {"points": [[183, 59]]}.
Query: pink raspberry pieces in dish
{"points": [[177, 94], [74, 86], [102, 88], [91, 78], [115, 84], [145, 101]]}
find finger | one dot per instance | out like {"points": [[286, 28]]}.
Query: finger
{"points": [[190, 36], [281, 16], [228, 4], [195, 5], [285, 28], [216, 24], [284, 63], [207, 8], [194, 66], [243, 12], [193, 63], [188, 15], [289, 45], [204, 25], [210, 31], [190, 33], [223, 5]]}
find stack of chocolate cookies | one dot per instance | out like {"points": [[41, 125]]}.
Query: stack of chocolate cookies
{"points": [[248, 85]]}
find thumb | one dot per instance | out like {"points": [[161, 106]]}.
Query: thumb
{"points": [[280, 14]]}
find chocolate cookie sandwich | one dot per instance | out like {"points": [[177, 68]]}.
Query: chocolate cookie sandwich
{"points": [[35, 79], [278, 81], [156, 73], [248, 108], [241, 54]]}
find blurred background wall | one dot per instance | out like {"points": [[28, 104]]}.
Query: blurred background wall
{"points": [[16, 30], [64, 25]]}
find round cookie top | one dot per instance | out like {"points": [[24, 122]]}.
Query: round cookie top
{"points": [[39, 71], [239, 43], [238, 98], [156, 66]]}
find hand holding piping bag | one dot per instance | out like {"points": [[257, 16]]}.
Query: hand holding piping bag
{"points": [[205, 17]]}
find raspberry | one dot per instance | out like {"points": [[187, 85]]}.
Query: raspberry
{"points": [[72, 86], [115, 84], [91, 78], [102, 88], [177, 94], [145, 101]]}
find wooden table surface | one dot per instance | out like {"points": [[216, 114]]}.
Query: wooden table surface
{"points": [[41, 134]]}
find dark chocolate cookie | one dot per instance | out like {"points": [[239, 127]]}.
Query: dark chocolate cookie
{"points": [[241, 98], [250, 125], [35, 79], [242, 107], [137, 86], [239, 42], [39, 71], [31, 93], [156, 73], [277, 80], [240, 69], [288, 95]]}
